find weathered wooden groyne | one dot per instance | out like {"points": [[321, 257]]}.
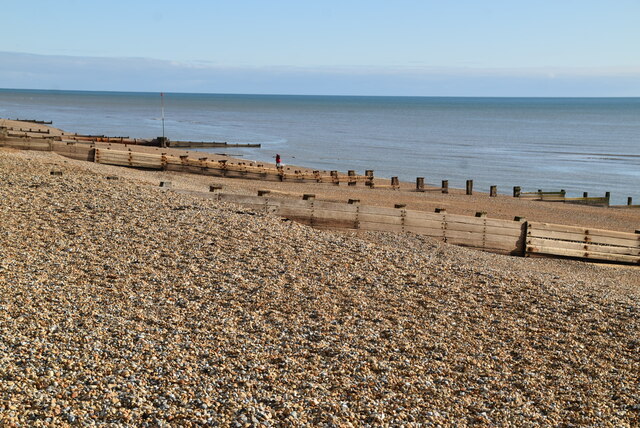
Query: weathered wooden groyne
{"points": [[518, 237], [23, 130], [83, 147]]}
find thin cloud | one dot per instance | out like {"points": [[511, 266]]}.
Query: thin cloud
{"points": [[21, 70]]}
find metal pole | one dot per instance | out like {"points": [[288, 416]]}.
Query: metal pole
{"points": [[162, 103]]}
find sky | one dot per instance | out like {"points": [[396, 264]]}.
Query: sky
{"points": [[350, 47]]}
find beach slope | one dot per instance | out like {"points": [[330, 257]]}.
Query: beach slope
{"points": [[123, 303]]}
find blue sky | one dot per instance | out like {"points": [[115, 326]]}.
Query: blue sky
{"points": [[373, 47]]}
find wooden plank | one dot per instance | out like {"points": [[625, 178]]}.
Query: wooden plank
{"points": [[29, 145], [261, 208], [582, 254], [494, 222], [581, 246], [489, 230], [336, 206], [332, 222], [380, 227], [424, 223], [241, 199], [473, 240], [591, 231], [125, 154], [82, 152], [587, 199], [417, 217], [337, 215], [485, 241], [510, 247], [210, 172], [564, 236], [235, 174], [433, 232], [147, 165], [456, 234], [534, 194], [380, 219], [369, 209], [596, 236], [291, 212], [128, 162]]}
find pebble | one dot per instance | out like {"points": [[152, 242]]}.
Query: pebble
{"points": [[119, 309]]}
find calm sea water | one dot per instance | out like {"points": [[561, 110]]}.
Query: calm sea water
{"points": [[576, 144]]}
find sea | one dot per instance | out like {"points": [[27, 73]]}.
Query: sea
{"points": [[576, 144]]}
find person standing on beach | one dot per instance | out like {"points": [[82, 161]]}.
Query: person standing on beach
{"points": [[278, 163]]}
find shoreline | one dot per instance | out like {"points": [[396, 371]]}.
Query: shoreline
{"points": [[501, 206]]}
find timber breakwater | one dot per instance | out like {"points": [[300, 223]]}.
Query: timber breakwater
{"points": [[30, 129], [522, 237]]}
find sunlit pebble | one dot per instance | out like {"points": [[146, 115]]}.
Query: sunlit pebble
{"points": [[124, 304]]}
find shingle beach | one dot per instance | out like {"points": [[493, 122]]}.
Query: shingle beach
{"points": [[126, 304]]}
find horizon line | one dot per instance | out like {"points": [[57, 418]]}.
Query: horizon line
{"points": [[314, 95]]}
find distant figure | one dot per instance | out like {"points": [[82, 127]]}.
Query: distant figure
{"points": [[278, 163]]}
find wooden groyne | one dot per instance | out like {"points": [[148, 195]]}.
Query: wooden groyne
{"points": [[24, 131], [40, 122], [209, 144], [561, 196], [518, 237], [82, 147]]}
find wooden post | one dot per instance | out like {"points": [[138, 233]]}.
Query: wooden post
{"points": [[469, 187], [334, 176], [352, 177], [369, 174], [629, 200], [516, 191], [493, 191], [395, 182], [607, 196], [308, 196], [445, 186], [420, 184], [585, 194], [522, 241]]}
